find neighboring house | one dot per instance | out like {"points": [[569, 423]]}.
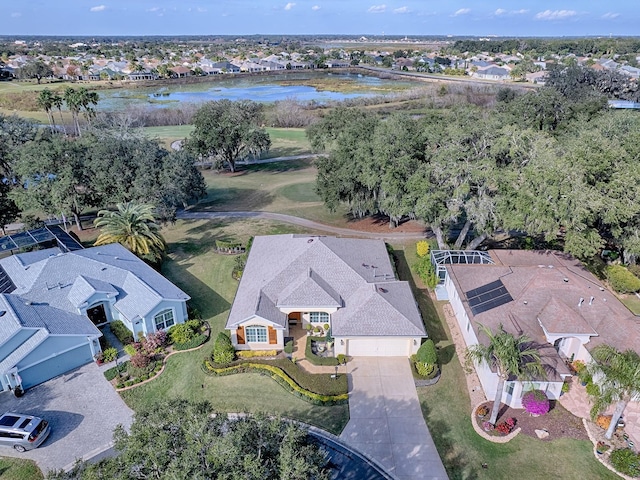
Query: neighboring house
{"points": [[548, 296], [52, 301], [145, 75], [291, 281], [492, 73], [226, 67], [337, 63], [180, 71], [538, 78]]}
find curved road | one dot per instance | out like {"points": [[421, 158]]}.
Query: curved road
{"points": [[303, 222]]}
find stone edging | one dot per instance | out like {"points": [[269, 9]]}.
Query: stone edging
{"points": [[601, 457], [164, 364], [428, 383], [485, 435]]}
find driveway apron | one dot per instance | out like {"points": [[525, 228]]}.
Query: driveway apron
{"points": [[386, 421], [82, 408]]}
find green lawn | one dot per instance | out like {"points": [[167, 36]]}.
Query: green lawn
{"points": [[206, 277], [446, 408], [19, 469], [632, 302]]}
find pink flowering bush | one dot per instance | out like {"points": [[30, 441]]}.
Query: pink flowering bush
{"points": [[506, 427], [536, 402]]}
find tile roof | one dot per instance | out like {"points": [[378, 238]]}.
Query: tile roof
{"points": [[354, 275]]}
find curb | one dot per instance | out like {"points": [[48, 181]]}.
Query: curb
{"points": [[88, 456]]}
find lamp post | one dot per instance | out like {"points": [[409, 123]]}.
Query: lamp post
{"points": [[336, 376]]}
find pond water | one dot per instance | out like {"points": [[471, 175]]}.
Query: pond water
{"points": [[257, 89]]}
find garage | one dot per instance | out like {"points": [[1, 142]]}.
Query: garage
{"points": [[56, 365], [379, 347]]}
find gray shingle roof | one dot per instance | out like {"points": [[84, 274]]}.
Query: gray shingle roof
{"points": [[83, 288], [49, 276], [352, 274]]}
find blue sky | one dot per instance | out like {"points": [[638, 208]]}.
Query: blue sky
{"points": [[367, 17]]}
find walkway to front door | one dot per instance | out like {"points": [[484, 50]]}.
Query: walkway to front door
{"points": [[386, 421]]}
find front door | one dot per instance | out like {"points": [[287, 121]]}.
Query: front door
{"points": [[294, 318], [97, 314]]}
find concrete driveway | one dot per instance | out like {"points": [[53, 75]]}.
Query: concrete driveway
{"points": [[82, 408], [386, 421]]}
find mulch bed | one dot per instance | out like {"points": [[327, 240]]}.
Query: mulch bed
{"points": [[559, 422]]}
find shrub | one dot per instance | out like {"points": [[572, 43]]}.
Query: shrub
{"points": [[121, 332], [536, 402], [256, 353], [424, 268], [626, 461], [113, 372], [342, 358], [622, 280], [593, 389], [109, 355], [223, 351], [425, 369], [482, 411], [506, 427], [181, 333], [427, 352], [130, 349], [635, 269], [140, 360], [422, 248], [154, 341], [193, 343], [288, 348]]}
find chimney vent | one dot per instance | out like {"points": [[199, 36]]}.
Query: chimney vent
{"points": [[591, 300], [580, 302]]}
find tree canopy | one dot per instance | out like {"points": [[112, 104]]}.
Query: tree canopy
{"points": [[226, 131], [179, 439], [542, 163]]}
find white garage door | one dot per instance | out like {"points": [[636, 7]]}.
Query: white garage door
{"points": [[378, 347]]}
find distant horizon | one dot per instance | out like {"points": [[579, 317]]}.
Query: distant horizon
{"points": [[503, 18]]}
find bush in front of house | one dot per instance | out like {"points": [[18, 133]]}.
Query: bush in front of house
{"points": [[256, 353], [422, 248], [425, 270], [140, 360], [195, 342], [109, 355], [122, 333], [223, 351], [154, 342], [622, 280], [185, 332], [426, 359], [626, 461], [316, 360], [536, 402]]}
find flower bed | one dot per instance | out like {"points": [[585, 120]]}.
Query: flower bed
{"points": [[315, 359]]}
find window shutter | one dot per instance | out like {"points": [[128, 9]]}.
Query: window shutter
{"points": [[240, 335], [273, 336]]}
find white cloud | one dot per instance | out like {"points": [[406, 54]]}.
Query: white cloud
{"points": [[16, 15], [522, 11], [402, 10], [377, 8], [97, 8], [462, 11], [555, 14], [201, 9], [289, 6], [610, 15], [315, 8], [500, 11], [153, 9], [503, 12]]}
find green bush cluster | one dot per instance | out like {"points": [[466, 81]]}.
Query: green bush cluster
{"points": [[185, 332], [425, 270], [130, 349], [256, 353], [109, 355], [223, 351], [314, 359], [113, 372], [427, 352], [195, 342], [121, 332], [622, 280], [626, 461], [288, 348], [426, 369]]}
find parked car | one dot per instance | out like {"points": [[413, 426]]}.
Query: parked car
{"points": [[23, 432]]}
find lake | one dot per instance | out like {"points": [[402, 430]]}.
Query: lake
{"points": [[259, 89]]}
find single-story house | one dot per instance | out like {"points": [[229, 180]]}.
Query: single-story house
{"points": [[492, 72], [548, 296], [52, 302], [291, 281]]}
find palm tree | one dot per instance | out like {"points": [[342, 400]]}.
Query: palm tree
{"points": [[618, 380], [45, 101], [72, 99], [133, 225], [56, 101], [508, 355]]}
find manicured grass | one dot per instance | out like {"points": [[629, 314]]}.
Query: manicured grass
{"points": [[632, 302], [206, 277], [446, 408], [301, 192], [19, 469]]}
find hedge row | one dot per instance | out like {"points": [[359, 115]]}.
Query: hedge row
{"points": [[256, 353], [193, 343], [316, 360], [283, 379], [113, 372], [121, 332]]}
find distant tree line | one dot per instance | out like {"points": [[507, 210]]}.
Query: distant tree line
{"points": [[563, 46]]}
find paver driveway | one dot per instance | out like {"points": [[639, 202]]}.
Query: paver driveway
{"points": [[386, 421], [81, 407]]}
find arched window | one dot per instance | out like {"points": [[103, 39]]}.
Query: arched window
{"points": [[164, 319], [256, 333]]}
